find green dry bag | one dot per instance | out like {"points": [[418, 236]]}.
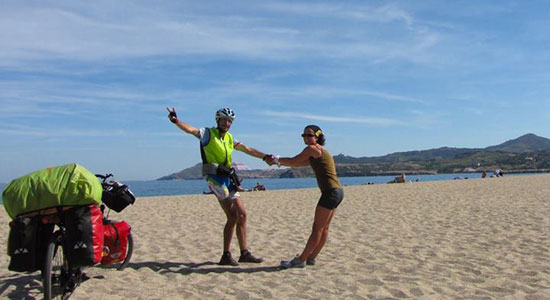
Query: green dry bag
{"points": [[65, 185]]}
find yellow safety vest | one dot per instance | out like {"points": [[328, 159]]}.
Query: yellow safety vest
{"points": [[218, 150]]}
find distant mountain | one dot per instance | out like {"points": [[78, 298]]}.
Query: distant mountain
{"points": [[431, 154], [195, 172], [525, 143], [528, 153]]}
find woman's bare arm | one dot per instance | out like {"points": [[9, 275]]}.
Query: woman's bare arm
{"points": [[302, 159]]}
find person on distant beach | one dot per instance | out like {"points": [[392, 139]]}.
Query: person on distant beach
{"points": [[399, 179], [259, 187], [332, 194], [216, 146]]}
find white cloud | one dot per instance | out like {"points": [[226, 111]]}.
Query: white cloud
{"points": [[20, 131], [338, 10], [324, 118], [82, 33], [31, 33]]}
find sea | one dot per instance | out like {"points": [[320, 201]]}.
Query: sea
{"points": [[147, 188]]}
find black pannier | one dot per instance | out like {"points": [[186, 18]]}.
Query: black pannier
{"points": [[117, 196], [27, 243]]}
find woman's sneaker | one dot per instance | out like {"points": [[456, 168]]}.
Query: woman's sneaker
{"points": [[227, 260], [294, 263], [310, 262]]}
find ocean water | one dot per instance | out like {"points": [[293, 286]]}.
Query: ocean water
{"points": [[188, 187]]}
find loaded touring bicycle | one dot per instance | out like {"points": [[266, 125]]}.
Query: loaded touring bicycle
{"points": [[59, 225]]}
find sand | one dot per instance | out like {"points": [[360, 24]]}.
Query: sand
{"points": [[461, 239]]}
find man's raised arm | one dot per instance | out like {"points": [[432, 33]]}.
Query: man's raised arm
{"points": [[173, 117]]}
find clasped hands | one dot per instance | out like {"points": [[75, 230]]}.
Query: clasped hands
{"points": [[272, 159]]}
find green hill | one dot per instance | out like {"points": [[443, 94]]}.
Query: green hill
{"points": [[527, 153], [525, 143]]}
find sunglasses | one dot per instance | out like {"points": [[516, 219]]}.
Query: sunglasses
{"points": [[307, 135]]}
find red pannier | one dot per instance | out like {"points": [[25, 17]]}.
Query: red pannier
{"points": [[115, 244], [84, 235]]}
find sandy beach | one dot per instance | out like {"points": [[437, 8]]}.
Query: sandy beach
{"points": [[461, 239]]}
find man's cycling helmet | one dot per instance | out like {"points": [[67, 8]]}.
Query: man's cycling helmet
{"points": [[225, 113], [117, 196]]}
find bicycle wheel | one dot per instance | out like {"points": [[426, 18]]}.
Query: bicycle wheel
{"points": [[129, 251], [56, 269]]}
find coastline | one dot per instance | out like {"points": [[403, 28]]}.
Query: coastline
{"points": [[147, 188], [469, 239], [198, 186]]}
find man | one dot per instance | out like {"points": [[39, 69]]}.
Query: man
{"points": [[216, 146]]}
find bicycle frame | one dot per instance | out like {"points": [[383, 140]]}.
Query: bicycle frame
{"points": [[61, 279]]}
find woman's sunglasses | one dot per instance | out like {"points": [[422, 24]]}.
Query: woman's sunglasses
{"points": [[307, 135]]}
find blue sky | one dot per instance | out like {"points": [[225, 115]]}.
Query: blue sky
{"points": [[89, 82]]}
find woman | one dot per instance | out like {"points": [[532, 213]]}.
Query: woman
{"points": [[315, 155]]}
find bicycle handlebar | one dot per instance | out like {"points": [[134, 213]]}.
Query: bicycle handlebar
{"points": [[104, 177]]}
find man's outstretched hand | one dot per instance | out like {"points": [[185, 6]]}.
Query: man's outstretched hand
{"points": [[172, 116]]}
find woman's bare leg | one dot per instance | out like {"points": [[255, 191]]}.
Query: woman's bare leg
{"points": [[322, 217], [324, 238]]}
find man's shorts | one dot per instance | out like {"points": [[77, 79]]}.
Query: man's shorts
{"points": [[222, 187], [330, 199]]}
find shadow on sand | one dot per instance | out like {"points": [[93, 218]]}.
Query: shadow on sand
{"points": [[27, 286], [200, 268]]}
